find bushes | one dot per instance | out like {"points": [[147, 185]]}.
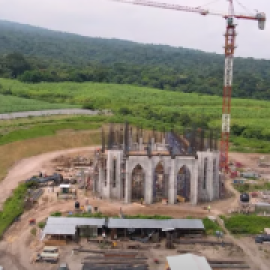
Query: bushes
{"points": [[148, 217], [12, 208], [210, 226], [41, 224], [90, 215], [243, 224], [56, 214]]}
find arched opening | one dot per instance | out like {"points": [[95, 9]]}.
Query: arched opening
{"points": [[160, 189], [183, 183], [95, 179], [138, 183], [214, 170], [205, 168]]}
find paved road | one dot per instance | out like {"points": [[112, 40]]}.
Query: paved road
{"points": [[7, 116]]}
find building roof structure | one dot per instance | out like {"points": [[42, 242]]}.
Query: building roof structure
{"points": [[196, 224], [188, 261]]}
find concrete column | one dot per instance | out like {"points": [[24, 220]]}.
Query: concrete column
{"points": [[210, 186], [119, 186], [172, 189], [194, 182], [149, 178], [153, 146], [128, 183], [107, 189], [100, 180], [140, 144]]}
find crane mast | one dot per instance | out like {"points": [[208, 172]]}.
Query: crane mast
{"points": [[227, 88], [230, 35]]}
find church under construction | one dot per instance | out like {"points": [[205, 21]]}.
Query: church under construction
{"points": [[135, 164]]}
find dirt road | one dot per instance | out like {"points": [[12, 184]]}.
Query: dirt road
{"points": [[25, 168]]}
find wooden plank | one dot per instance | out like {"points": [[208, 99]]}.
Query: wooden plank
{"points": [[203, 242], [229, 266], [55, 242], [215, 261]]}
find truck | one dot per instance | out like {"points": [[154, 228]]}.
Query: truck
{"points": [[56, 178], [260, 239]]}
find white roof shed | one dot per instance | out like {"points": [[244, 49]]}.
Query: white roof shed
{"points": [[188, 261]]}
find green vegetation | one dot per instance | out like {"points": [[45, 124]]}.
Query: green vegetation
{"points": [[12, 208], [56, 214], [250, 129], [9, 104], [17, 132], [243, 224], [211, 226], [147, 217], [90, 215], [42, 224], [252, 187], [33, 231], [55, 56]]}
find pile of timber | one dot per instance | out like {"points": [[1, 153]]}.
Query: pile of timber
{"points": [[229, 264], [115, 260], [202, 242]]}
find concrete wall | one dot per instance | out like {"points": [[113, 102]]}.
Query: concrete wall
{"points": [[171, 168]]}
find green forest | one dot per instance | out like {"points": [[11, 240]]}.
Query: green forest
{"points": [[34, 55]]}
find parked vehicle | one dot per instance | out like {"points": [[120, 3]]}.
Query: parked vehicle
{"points": [[49, 249], [260, 239], [48, 254], [63, 266]]}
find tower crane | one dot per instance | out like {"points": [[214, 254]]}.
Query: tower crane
{"points": [[230, 35]]}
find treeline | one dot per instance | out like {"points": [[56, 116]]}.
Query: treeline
{"points": [[56, 56], [35, 70]]}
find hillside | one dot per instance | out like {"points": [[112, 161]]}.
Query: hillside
{"points": [[9, 104], [77, 58], [147, 107]]}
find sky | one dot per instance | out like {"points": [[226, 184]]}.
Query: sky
{"points": [[109, 19]]}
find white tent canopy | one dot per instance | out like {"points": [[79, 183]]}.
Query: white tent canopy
{"points": [[188, 261]]}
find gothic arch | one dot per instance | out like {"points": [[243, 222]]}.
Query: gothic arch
{"points": [[96, 179], [184, 182], [137, 183], [160, 182]]}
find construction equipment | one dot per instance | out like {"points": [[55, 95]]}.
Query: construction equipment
{"points": [[56, 178], [229, 56]]}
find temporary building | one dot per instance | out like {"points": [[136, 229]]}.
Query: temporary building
{"points": [[69, 226], [188, 261]]}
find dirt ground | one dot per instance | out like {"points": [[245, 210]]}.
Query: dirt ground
{"points": [[19, 245]]}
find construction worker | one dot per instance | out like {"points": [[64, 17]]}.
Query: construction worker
{"points": [[209, 208]]}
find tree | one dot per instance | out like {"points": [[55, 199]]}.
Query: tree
{"points": [[16, 63]]}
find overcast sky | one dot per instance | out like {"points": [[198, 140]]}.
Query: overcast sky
{"points": [[105, 18]]}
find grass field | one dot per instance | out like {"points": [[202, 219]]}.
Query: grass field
{"points": [[250, 125], [15, 151], [9, 104]]}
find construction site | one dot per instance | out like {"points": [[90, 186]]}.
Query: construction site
{"points": [[143, 199], [90, 232]]}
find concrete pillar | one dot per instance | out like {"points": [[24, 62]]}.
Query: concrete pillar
{"points": [[118, 176], [194, 182], [172, 189], [100, 180], [210, 186], [149, 178], [153, 146], [140, 144], [128, 183]]}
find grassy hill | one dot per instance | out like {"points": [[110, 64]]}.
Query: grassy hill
{"points": [[9, 104], [76, 58], [147, 106]]}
